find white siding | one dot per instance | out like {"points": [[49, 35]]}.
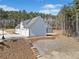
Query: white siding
{"points": [[23, 32], [17, 31], [38, 28]]}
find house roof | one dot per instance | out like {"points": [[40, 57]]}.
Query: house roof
{"points": [[26, 22], [18, 26], [33, 21], [30, 22]]}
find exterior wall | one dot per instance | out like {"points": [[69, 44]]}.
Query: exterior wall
{"points": [[23, 32], [49, 30], [38, 28], [17, 31]]}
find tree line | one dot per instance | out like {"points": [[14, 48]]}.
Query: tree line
{"points": [[12, 18], [69, 18]]}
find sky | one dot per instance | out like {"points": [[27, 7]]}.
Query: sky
{"points": [[42, 6]]}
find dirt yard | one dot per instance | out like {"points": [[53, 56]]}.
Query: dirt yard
{"points": [[16, 49], [67, 49], [11, 31], [21, 48]]}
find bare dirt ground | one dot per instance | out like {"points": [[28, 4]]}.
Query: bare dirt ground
{"points": [[11, 31], [67, 49], [16, 49], [21, 49]]}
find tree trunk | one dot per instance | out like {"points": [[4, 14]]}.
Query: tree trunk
{"points": [[77, 29]]}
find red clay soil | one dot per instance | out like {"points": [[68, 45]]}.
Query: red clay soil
{"points": [[17, 49]]}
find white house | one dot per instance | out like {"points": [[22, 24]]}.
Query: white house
{"points": [[33, 27]]}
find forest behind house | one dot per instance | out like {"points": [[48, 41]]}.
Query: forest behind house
{"points": [[10, 19], [68, 19]]}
